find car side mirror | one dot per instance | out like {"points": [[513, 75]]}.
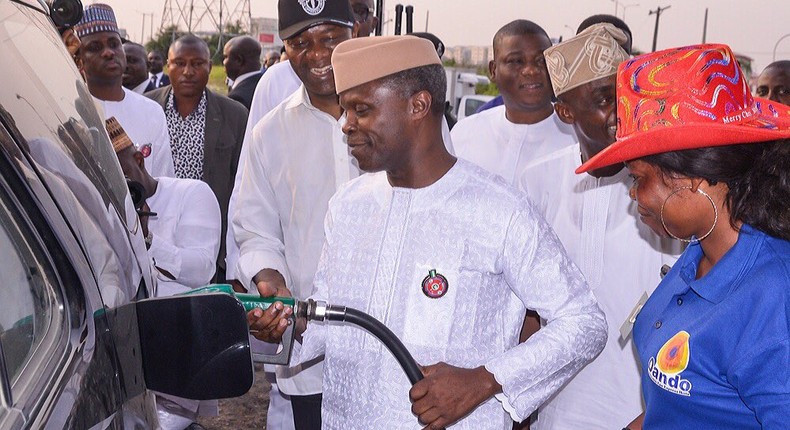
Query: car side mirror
{"points": [[196, 347]]}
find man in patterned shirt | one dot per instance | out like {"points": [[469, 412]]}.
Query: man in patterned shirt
{"points": [[206, 129]]}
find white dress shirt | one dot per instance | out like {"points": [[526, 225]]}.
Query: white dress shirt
{"points": [[186, 233], [156, 78], [279, 82], [491, 141], [140, 89], [621, 258], [144, 121], [296, 160], [498, 257], [241, 78]]}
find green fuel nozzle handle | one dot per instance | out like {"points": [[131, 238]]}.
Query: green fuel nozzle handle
{"points": [[253, 301], [250, 301]]}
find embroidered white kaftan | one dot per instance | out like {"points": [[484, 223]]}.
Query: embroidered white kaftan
{"points": [[498, 256]]}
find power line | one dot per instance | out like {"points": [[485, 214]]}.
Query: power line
{"points": [[206, 15]]}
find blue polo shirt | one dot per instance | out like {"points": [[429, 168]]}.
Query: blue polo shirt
{"points": [[715, 352]]}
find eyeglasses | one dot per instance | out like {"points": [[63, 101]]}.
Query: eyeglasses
{"points": [[362, 13]]}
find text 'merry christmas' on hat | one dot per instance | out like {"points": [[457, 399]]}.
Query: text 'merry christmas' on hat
{"points": [[296, 16], [592, 54], [365, 59], [97, 18], [687, 98]]}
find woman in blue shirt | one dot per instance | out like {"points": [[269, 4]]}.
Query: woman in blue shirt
{"points": [[711, 167]]}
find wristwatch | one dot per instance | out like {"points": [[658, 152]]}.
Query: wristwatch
{"points": [[149, 238]]}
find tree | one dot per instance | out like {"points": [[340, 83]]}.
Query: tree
{"points": [[163, 39], [216, 42]]}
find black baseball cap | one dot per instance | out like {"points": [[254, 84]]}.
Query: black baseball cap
{"points": [[296, 16]]}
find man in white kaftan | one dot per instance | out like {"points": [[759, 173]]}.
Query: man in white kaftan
{"points": [[498, 257], [504, 139], [597, 222], [621, 259], [102, 61], [445, 254], [183, 240]]}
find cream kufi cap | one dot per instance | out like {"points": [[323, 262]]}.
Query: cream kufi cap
{"points": [[365, 59], [120, 140], [592, 54]]}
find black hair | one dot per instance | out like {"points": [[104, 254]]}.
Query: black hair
{"points": [[757, 174], [780, 64], [191, 40], [429, 78], [519, 27], [608, 19]]}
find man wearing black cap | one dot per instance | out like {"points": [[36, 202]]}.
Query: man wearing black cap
{"points": [[278, 83], [297, 158]]}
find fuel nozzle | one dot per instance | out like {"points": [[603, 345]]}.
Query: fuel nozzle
{"points": [[317, 310], [313, 310]]}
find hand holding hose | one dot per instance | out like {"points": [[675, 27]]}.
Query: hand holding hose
{"points": [[269, 325], [448, 393]]}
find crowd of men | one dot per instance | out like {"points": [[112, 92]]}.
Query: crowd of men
{"points": [[503, 272]]}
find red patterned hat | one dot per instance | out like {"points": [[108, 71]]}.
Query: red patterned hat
{"points": [[686, 98]]}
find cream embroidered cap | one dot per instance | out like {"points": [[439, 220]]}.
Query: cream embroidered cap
{"points": [[592, 54]]}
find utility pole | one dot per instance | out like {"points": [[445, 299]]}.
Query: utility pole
{"points": [[705, 27], [657, 12], [191, 9], [380, 16]]}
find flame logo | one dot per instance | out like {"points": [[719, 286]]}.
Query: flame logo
{"points": [[673, 357]]}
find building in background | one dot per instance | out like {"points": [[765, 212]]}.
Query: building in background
{"points": [[265, 30]]}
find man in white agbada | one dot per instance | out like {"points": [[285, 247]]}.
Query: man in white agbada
{"points": [[445, 254], [505, 138], [102, 61], [183, 241], [597, 223], [302, 153]]}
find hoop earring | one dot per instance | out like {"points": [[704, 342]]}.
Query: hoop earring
{"points": [[693, 239]]}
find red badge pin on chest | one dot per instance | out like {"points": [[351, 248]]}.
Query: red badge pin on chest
{"points": [[145, 150], [434, 285]]}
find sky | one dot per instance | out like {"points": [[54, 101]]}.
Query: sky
{"points": [[753, 27]]}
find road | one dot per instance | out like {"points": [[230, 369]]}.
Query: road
{"points": [[245, 412]]}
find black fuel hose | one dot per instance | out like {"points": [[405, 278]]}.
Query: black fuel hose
{"points": [[382, 332]]}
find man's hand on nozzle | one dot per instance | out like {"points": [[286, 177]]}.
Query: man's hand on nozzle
{"points": [[270, 324]]}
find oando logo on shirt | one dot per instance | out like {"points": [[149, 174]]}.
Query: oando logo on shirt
{"points": [[671, 361]]}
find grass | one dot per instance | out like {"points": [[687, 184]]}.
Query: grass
{"points": [[216, 80]]}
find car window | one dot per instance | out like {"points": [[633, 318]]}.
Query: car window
{"points": [[49, 101], [25, 301], [52, 119]]}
